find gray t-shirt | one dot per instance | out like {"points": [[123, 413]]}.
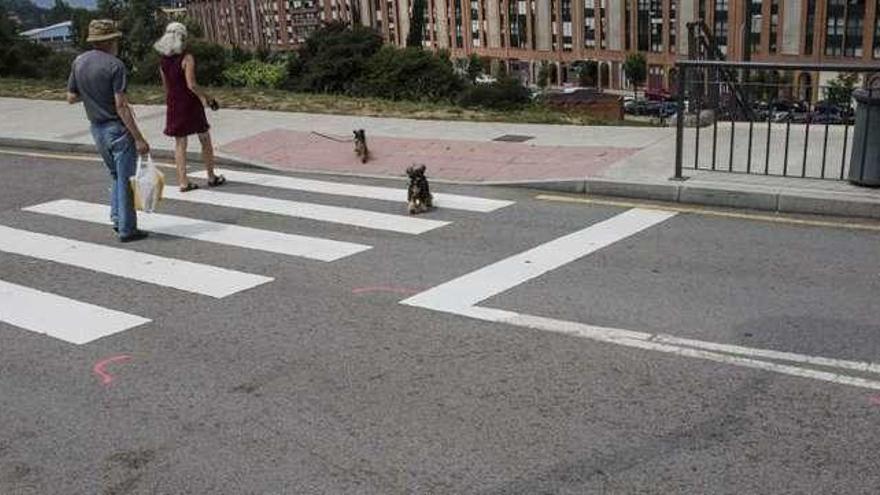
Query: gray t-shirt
{"points": [[97, 77]]}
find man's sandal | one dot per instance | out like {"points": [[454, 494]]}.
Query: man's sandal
{"points": [[189, 187]]}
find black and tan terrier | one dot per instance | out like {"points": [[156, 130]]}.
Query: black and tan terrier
{"points": [[418, 195], [360, 145]]}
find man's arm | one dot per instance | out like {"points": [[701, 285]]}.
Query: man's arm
{"points": [[124, 110], [72, 91], [126, 113]]}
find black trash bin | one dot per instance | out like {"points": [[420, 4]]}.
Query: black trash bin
{"points": [[864, 164]]}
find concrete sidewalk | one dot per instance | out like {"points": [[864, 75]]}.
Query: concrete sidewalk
{"points": [[633, 162]]}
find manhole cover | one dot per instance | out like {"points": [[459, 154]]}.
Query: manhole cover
{"points": [[513, 138]]}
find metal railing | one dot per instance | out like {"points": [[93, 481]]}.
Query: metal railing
{"points": [[787, 131]]}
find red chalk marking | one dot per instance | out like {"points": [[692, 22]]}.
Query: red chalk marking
{"points": [[106, 378], [875, 400], [396, 290]]}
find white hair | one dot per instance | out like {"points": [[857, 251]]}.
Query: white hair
{"points": [[171, 43]]}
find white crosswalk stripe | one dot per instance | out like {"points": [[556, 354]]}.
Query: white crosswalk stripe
{"points": [[218, 233], [184, 275], [79, 322], [311, 211], [66, 319], [441, 200]]}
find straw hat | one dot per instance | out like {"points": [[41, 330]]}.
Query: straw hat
{"points": [[103, 30]]}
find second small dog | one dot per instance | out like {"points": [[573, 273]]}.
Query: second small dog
{"points": [[418, 195], [360, 145]]}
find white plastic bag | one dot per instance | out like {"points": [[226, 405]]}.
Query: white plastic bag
{"points": [[147, 184]]}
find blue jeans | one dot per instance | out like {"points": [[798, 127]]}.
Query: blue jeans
{"points": [[116, 147]]}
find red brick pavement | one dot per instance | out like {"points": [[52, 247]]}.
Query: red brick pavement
{"points": [[472, 161]]}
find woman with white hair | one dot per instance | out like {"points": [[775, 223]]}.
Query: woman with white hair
{"points": [[186, 103]]}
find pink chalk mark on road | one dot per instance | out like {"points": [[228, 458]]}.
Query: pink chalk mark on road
{"points": [[875, 400], [395, 290], [106, 378]]}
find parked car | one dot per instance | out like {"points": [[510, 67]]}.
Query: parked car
{"points": [[635, 107]]}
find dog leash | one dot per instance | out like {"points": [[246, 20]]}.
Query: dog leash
{"points": [[331, 138]]}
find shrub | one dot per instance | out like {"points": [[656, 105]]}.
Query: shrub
{"points": [[256, 74], [507, 93], [333, 57], [146, 71], [410, 74], [211, 62], [23, 58], [57, 65], [210, 65]]}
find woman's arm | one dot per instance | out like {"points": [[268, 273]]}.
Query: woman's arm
{"points": [[164, 83], [189, 69]]}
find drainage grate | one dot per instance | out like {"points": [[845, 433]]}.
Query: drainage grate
{"points": [[513, 138]]}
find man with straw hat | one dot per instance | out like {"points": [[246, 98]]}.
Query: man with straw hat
{"points": [[98, 79]]}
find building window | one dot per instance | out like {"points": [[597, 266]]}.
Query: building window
{"points": [[877, 32], [603, 39], [459, 30], [643, 25], [774, 25], [475, 24], [721, 17], [810, 37], [845, 28], [627, 26], [656, 13], [855, 28], [672, 26], [589, 23], [755, 20], [518, 21], [566, 26], [834, 27]]}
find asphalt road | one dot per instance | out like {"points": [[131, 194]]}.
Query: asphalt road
{"points": [[320, 381]]}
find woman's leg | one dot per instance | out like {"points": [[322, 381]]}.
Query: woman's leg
{"points": [[180, 161], [208, 155]]}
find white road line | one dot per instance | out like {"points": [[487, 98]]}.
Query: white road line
{"points": [[65, 319], [184, 275], [218, 233], [496, 278], [311, 211], [461, 295], [441, 200], [642, 340]]}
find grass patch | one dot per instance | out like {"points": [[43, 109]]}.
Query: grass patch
{"points": [[286, 101]]}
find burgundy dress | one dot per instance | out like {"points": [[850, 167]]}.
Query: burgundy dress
{"points": [[186, 114]]}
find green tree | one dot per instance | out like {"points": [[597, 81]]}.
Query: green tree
{"points": [[474, 68], [140, 24], [840, 89], [416, 34], [587, 72], [544, 75], [636, 70]]}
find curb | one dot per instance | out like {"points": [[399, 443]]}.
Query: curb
{"points": [[83, 148], [777, 200]]}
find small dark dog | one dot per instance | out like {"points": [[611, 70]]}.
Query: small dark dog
{"points": [[360, 145], [418, 195]]}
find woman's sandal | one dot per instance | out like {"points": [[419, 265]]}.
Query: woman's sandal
{"points": [[217, 181], [189, 187]]}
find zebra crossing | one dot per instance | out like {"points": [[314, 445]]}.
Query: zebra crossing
{"points": [[80, 322]]}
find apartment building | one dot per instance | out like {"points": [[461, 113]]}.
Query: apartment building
{"points": [[273, 24], [526, 34]]}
